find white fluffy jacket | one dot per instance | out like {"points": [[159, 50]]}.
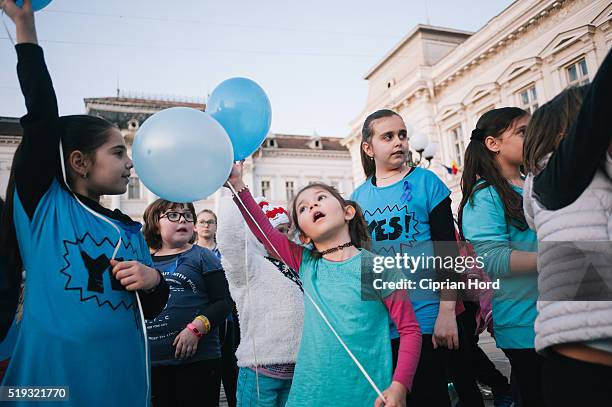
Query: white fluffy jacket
{"points": [[271, 306], [561, 269]]}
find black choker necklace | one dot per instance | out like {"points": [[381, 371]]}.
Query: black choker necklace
{"points": [[335, 249]]}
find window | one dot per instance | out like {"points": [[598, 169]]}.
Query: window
{"points": [[134, 188], [528, 99], [290, 190], [265, 188], [457, 144], [577, 73]]}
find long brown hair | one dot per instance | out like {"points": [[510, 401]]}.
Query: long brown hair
{"points": [[151, 218], [549, 125], [358, 228], [368, 164], [480, 164], [77, 132]]}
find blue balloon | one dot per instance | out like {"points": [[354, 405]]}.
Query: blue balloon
{"points": [[36, 4], [182, 154], [243, 109]]}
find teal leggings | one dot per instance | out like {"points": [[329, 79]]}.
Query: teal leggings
{"points": [[272, 392]]}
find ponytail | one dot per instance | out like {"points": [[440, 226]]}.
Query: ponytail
{"points": [[480, 164]]}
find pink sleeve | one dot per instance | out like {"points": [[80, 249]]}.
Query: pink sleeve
{"points": [[401, 312], [289, 252]]}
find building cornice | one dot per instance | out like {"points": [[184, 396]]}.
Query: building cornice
{"points": [[293, 153], [408, 37], [10, 140], [483, 44]]}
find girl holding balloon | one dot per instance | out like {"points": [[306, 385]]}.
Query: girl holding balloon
{"points": [[90, 278], [338, 350]]}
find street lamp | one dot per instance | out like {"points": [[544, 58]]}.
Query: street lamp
{"points": [[425, 149]]}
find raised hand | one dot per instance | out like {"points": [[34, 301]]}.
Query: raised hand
{"points": [[23, 17]]}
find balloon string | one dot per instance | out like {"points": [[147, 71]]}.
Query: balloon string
{"points": [[329, 325], [6, 28]]}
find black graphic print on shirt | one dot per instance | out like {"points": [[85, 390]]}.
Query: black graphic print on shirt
{"points": [[392, 229], [88, 271]]}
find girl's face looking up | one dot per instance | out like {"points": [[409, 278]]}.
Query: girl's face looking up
{"points": [[320, 215]]}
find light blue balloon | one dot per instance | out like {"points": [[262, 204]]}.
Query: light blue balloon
{"points": [[243, 109], [36, 4], [182, 154]]}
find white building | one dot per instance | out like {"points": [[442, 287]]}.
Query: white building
{"points": [[10, 137], [283, 165], [441, 80]]}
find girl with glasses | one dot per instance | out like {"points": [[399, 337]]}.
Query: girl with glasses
{"points": [[184, 339]]}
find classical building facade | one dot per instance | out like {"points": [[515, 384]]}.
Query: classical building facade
{"points": [[277, 170], [441, 80]]}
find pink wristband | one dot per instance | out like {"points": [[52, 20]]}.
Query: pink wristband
{"points": [[193, 329]]}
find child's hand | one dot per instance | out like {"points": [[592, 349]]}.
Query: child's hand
{"points": [[134, 275], [235, 178], [16, 13], [445, 333], [23, 17], [395, 396], [186, 343]]}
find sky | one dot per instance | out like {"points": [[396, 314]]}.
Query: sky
{"points": [[310, 56]]}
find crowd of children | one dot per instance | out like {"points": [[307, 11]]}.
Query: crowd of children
{"points": [[278, 303]]}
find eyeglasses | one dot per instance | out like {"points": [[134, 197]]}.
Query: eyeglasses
{"points": [[207, 222], [176, 216]]}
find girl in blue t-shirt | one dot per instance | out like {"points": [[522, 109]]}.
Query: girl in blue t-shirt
{"points": [[491, 217], [184, 339], [408, 211], [90, 281]]}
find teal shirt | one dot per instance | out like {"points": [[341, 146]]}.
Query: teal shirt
{"points": [[325, 375], [514, 304]]}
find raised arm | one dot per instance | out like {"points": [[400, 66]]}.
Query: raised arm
{"points": [[572, 166], [273, 240], [36, 161]]}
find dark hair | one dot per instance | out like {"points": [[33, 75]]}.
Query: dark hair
{"points": [[480, 164], [549, 124], [151, 218], [358, 228], [78, 132], [369, 167]]}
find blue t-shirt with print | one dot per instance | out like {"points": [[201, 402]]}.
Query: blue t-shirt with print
{"points": [[81, 328], [398, 220], [185, 274]]}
